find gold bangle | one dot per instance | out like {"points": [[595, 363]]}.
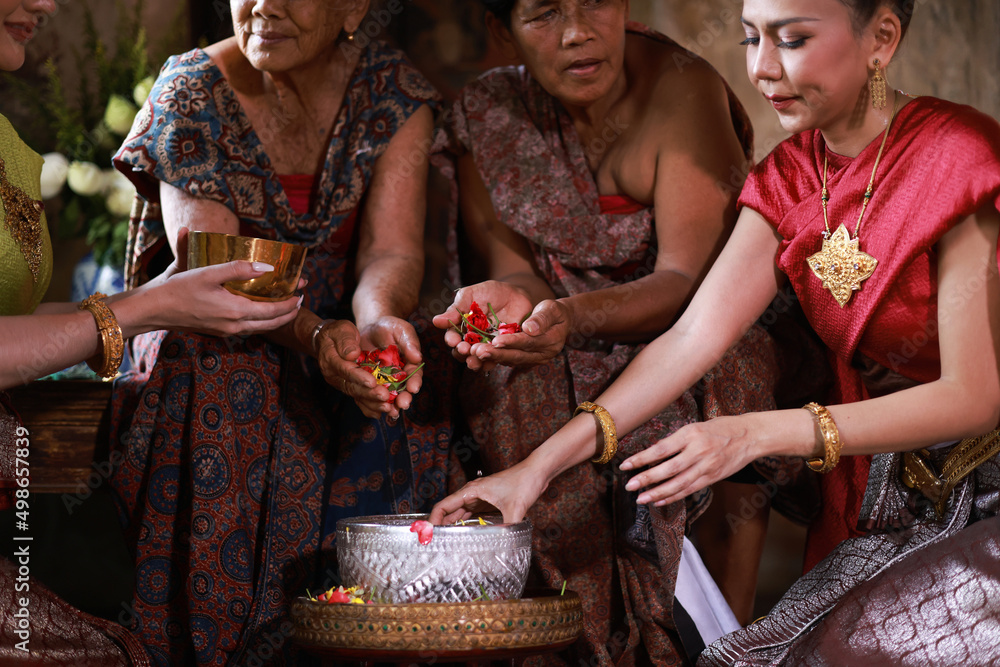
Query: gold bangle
{"points": [[831, 439], [112, 341], [607, 426]]}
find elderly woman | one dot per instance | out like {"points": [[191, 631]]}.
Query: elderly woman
{"points": [[899, 277], [241, 454], [595, 187]]}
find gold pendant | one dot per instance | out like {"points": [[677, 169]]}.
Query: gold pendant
{"points": [[841, 265]]}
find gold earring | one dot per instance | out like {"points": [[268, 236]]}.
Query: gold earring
{"points": [[877, 85], [350, 36]]}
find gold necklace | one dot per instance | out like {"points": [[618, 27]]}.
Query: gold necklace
{"points": [[840, 264]]}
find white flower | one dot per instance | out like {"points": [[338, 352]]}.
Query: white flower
{"points": [[119, 193], [119, 115], [142, 90], [112, 179], [85, 178], [119, 201], [53, 174]]}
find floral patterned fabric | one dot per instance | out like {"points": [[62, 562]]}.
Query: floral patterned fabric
{"points": [[588, 531], [238, 459]]}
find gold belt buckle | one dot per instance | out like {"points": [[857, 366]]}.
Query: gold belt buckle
{"points": [[918, 473]]}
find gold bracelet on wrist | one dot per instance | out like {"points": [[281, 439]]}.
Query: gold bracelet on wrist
{"points": [[831, 439], [607, 426], [106, 362], [317, 330]]}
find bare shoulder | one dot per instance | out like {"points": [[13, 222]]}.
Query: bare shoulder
{"points": [[674, 82]]}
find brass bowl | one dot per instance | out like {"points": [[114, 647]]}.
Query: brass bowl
{"points": [[209, 248]]}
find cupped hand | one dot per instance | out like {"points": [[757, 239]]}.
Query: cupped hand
{"points": [[196, 300], [543, 337], [512, 492], [509, 302], [338, 348], [691, 459], [396, 331]]}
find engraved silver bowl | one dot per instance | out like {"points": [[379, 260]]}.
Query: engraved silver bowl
{"points": [[461, 563]]}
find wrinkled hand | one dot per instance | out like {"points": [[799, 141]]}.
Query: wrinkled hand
{"points": [[339, 347], [512, 492], [691, 459]]}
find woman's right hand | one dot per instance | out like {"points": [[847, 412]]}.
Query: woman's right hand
{"points": [[196, 300], [512, 492], [337, 350], [509, 302]]}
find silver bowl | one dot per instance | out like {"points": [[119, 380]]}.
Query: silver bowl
{"points": [[460, 564]]}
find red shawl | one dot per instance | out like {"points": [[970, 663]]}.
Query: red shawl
{"points": [[941, 164]]}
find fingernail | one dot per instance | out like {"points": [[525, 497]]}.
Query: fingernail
{"points": [[626, 465], [262, 266], [633, 485], [659, 503], [643, 499], [301, 297]]}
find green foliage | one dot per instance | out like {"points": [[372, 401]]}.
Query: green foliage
{"points": [[77, 129]]}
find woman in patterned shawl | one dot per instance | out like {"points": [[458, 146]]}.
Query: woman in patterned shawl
{"points": [[240, 454], [595, 186]]}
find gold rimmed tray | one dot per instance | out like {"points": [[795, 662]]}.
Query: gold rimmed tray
{"points": [[540, 622]]}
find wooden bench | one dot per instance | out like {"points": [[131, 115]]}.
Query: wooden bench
{"points": [[68, 423]]}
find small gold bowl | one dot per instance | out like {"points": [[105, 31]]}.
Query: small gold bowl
{"points": [[209, 248]]}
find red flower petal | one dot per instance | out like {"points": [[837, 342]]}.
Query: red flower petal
{"points": [[424, 531], [511, 328]]}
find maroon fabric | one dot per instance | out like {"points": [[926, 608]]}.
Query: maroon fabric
{"points": [[941, 164], [53, 633], [619, 205], [299, 190]]}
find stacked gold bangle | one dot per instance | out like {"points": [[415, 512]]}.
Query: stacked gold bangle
{"points": [[106, 362], [831, 439], [607, 426]]}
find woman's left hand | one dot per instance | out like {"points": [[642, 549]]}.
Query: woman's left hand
{"points": [[693, 458]]}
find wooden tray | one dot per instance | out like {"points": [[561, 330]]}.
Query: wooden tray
{"points": [[543, 622]]}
